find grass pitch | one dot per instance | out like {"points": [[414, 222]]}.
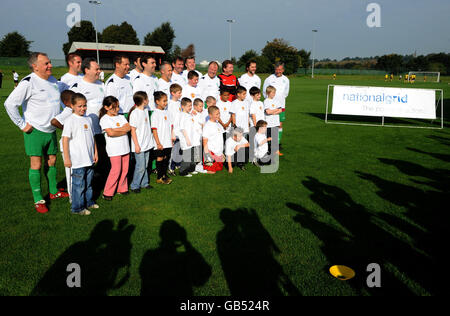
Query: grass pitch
{"points": [[347, 195]]}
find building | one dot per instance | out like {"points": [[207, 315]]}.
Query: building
{"points": [[108, 51]]}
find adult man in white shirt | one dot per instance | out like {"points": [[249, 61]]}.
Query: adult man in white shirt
{"points": [[39, 96], [137, 69], [178, 66], [250, 79], [165, 81], [94, 91], [119, 84], [190, 65], [281, 83], [209, 84], [147, 81], [73, 76]]}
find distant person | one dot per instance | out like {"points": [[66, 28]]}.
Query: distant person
{"points": [[334, 76], [133, 74], [406, 78], [190, 66], [39, 134], [119, 85], [165, 81], [228, 81], [209, 84], [1, 78], [392, 77], [178, 66], [386, 77], [250, 79], [73, 76], [279, 81], [400, 78], [102, 76], [16, 78], [147, 81]]}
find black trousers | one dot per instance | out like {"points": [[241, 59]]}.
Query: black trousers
{"points": [[162, 166], [188, 161]]}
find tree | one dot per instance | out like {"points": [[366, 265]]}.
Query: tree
{"points": [[14, 45], [188, 51], [392, 63], [279, 50], [246, 57], [163, 36], [120, 34], [263, 65], [84, 33]]}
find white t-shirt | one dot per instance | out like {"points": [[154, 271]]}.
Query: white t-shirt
{"points": [[174, 109], [187, 123], [191, 93], [122, 89], [133, 75], [147, 84], [231, 144], [61, 118], [141, 121], [161, 122], [94, 93], [70, 79], [16, 76], [213, 132], [224, 108], [115, 146], [260, 150], [164, 86], [81, 140], [257, 108], [185, 73], [209, 87], [40, 102], [178, 78], [249, 82], [281, 84], [272, 120], [240, 109], [199, 120], [102, 76]]}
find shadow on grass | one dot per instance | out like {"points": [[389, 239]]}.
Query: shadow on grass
{"points": [[175, 267], [442, 140], [443, 157], [247, 254], [102, 258], [361, 238]]}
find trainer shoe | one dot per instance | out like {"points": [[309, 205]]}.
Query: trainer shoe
{"points": [[148, 187], [160, 181], [84, 212], [93, 206], [136, 190], [194, 172], [107, 198], [59, 195], [41, 207], [187, 175], [123, 193], [171, 172]]}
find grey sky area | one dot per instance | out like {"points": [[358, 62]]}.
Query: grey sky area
{"points": [[406, 25]]}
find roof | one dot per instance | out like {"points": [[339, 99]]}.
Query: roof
{"points": [[76, 46]]}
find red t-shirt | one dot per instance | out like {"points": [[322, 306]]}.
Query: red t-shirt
{"points": [[229, 83]]}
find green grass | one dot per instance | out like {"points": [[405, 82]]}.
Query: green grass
{"points": [[343, 195]]}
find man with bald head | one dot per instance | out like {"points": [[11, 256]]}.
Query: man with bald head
{"points": [[165, 81], [38, 94], [209, 84]]}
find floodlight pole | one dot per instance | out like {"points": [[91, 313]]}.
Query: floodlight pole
{"points": [[229, 23], [95, 3], [314, 51]]}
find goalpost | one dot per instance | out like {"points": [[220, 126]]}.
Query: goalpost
{"points": [[425, 76]]}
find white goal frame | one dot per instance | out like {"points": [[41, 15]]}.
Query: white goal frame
{"points": [[425, 72], [439, 101]]}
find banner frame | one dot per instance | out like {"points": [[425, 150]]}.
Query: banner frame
{"points": [[382, 124]]}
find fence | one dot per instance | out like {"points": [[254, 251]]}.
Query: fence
{"points": [[324, 71]]}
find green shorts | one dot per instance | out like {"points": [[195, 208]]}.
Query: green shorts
{"points": [[38, 143], [282, 116]]}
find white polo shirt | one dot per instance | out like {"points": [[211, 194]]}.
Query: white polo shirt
{"points": [[81, 140], [115, 146], [122, 89], [249, 82], [185, 73], [256, 108], [179, 79], [187, 123], [133, 74], [213, 132], [191, 93], [40, 102], [70, 79], [94, 93], [148, 84], [209, 87], [281, 84], [164, 86]]}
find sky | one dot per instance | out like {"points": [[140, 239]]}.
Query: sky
{"points": [[407, 26]]}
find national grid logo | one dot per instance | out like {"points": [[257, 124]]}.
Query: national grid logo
{"points": [[378, 98]]}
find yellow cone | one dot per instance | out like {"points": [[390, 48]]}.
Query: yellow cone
{"points": [[342, 272]]}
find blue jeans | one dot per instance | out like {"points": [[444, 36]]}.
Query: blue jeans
{"points": [[140, 176], [82, 188]]}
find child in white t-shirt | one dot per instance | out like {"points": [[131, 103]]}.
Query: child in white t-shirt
{"points": [[261, 144], [240, 114], [162, 129], [256, 107], [141, 141], [80, 154], [233, 149], [225, 117], [187, 137], [272, 111], [115, 128], [174, 108], [213, 142]]}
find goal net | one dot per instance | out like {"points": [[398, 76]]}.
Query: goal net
{"points": [[424, 76]]}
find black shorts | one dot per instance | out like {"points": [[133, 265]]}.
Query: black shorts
{"points": [[166, 152]]}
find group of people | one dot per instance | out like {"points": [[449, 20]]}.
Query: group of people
{"points": [[183, 120]]}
